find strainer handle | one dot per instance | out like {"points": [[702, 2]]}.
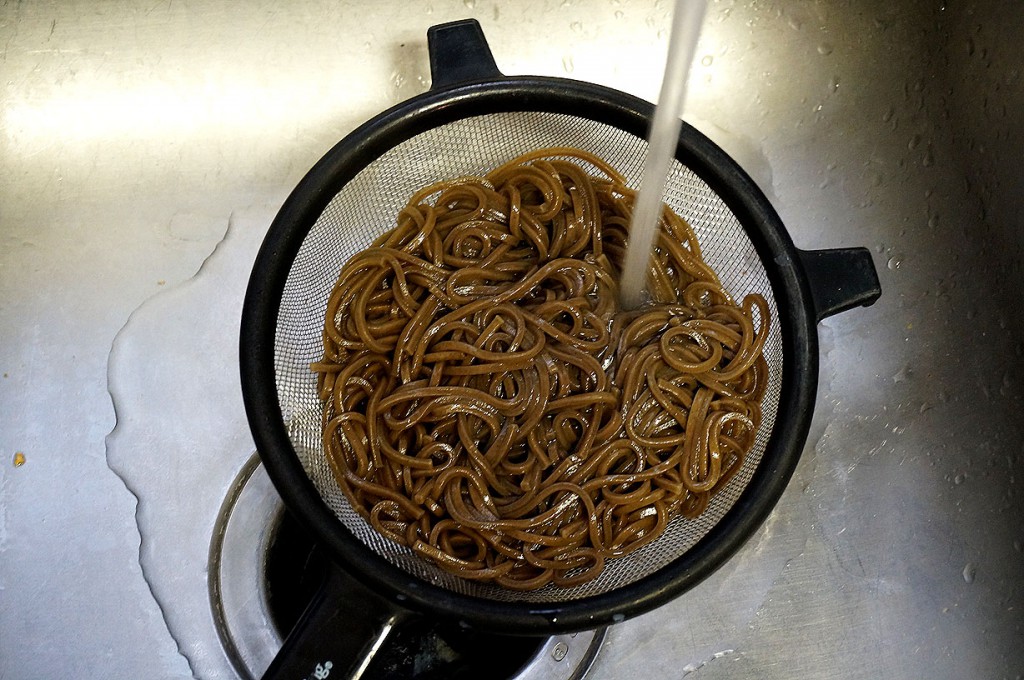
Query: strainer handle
{"points": [[840, 279], [342, 629], [459, 53]]}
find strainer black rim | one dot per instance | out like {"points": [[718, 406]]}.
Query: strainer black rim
{"points": [[762, 225], [467, 84]]}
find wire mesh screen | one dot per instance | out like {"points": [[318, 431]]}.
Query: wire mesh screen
{"points": [[368, 205]]}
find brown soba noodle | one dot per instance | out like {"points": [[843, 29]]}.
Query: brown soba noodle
{"points": [[488, 405]]}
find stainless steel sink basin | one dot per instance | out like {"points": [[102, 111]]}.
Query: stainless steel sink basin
{"points": [[132, 134]]}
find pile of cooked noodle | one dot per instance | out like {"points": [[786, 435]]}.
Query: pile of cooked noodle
{"points": [[488, 405]]}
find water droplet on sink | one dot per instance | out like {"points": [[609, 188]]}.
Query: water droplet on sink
{"points": [[567, 63], [894, 263], [929, 159], [824, 48], [470, 4], [970, 571], [889, 113], [833, 84], [576, 26], [707, 60], [914, 142], [619, 14], [959, 479], [933, 221]]}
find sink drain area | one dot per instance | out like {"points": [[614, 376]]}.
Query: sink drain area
{"points": [[265, 569]]}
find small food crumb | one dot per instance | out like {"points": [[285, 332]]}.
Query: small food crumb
{"points": [[19, 458], [161, 282]]}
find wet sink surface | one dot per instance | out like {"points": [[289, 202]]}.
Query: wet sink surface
{"points": [[132, 135]]}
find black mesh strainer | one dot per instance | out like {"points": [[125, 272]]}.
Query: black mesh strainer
{"points": [[472, 120]]}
